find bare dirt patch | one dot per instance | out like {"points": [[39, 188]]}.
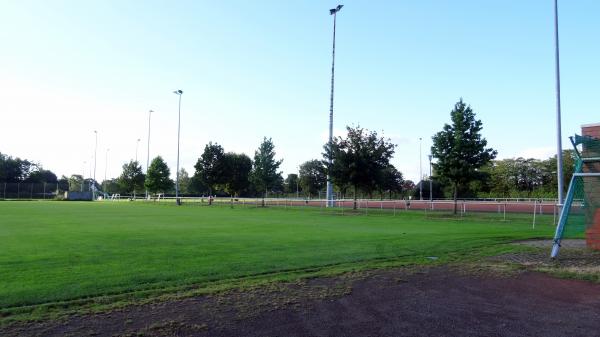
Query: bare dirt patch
{"points": [[436, 301], [574, 261]]}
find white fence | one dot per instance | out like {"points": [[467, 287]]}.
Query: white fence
{"points": [[533, 207]]}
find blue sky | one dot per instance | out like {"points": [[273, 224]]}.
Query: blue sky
{"points": [[250, 69]]}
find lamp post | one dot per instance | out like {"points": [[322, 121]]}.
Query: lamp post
{"points": [[137, 144], [559, 166], [105, 167], [179, 93], [430, 180], [148, 148], [83, 175], [95, 153], [329, 196], [420, 171]]}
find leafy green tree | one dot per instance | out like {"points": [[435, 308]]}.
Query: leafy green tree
{"points": [[185, 182], [210, 167], [264, 170], [132, 178], [292, 184], [76, 182], [158, 176], [63, 184], [460, 149], [568, 170], [13, 170], [236, 173], [111, 186], [408, 186], [391, 180], [359, 160], [437, 190], [39, 175], [313, 177]]}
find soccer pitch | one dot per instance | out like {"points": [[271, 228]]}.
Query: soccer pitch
{"points": [[62, 251]]}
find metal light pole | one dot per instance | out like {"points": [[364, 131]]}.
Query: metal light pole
{"points": [[95, 153], [83, 175], [329, 196], [105, 166], [559, 166], [148, 148], [137, 144], [430, 180], [90, 180], [420, 170], [178, 92]]}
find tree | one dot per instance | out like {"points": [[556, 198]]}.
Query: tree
{"points": [[408, 186], [39, 175], [13, 170], [459, 149], [158, 176], [237, 168], [391, 180], [359, 160], [185, 182], [313, 176], [63, 183], [210, 166], [76, 182], [292, 184], [132, 178], [111, 186], [264, 170]]}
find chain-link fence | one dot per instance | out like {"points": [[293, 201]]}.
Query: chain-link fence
{"points": [[29, 191]]}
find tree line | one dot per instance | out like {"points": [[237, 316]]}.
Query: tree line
{"points": [[464, 166]]}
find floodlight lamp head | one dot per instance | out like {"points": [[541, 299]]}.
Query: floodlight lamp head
{"points": [[178, 92], [335, 10]]}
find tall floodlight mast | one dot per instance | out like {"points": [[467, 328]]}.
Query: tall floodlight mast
{"points": [[148, 147], [559, 163], [329, 196], [95, 153], [179, 93]]}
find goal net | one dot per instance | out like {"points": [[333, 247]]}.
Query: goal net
{"points": [[581, 210]]}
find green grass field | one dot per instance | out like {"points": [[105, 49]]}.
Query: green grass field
{"points": [[60, 251]]}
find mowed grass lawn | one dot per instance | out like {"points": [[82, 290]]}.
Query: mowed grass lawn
{"points": [[56, 251]]}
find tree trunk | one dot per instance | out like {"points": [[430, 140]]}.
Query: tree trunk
{"points": [[455, 197], [354, 206]]}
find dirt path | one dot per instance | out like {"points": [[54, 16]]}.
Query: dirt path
{"points": [[431, 302]]}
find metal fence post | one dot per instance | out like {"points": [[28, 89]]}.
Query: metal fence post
{"points": [[534, 211]]}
